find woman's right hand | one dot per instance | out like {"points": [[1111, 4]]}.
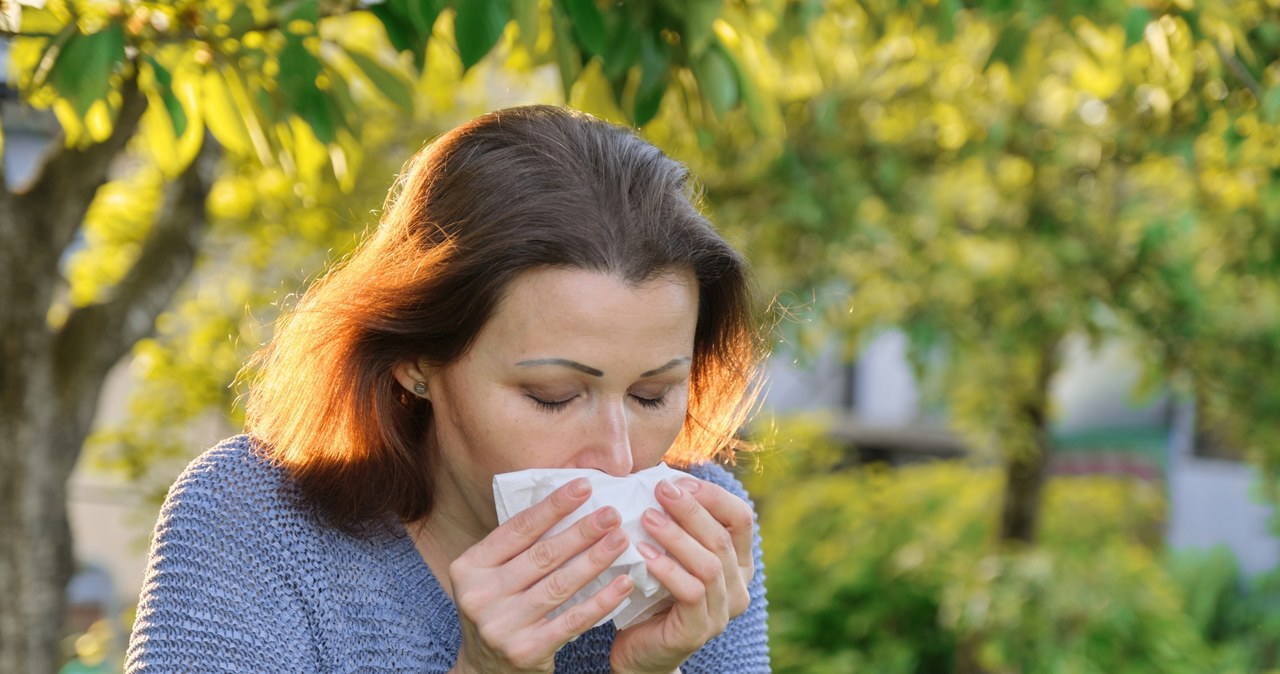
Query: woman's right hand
{"points": [[505, 585]]}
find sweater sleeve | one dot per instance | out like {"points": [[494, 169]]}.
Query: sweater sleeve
{"points": [[743, 647], [218, 594]]}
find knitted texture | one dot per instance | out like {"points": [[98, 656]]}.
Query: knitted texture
{"points": [[243, 577]]}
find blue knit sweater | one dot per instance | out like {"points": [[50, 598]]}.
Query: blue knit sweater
{"points": [[243, 578]]}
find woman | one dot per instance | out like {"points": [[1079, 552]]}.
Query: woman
{"points": [[541, 292]]}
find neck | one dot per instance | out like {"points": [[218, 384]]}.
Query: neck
{"points": [[444, 535]]}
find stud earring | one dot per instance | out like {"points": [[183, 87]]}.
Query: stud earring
{"points": [[420, 389]]}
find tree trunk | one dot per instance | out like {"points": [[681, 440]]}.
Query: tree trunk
{"points": [[40, 440], [1026, 470], [1027, 467], [51, 376], [38, 447]]}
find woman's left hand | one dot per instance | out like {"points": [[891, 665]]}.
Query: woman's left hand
{"points": [[707, 569]]}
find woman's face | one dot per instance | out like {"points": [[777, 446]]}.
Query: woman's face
{"points": [[575, 369]]}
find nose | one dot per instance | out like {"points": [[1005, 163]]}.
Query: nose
{"points": [[608, 442]]}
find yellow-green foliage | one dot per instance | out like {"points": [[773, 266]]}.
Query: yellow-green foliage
{"points": [[896, 571]]}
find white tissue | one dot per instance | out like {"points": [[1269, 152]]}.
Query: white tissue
{"points": [[630, 495]]}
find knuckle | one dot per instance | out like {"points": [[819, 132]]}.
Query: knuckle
{"points": [[586, 529], [710, 570], [575, 621], [600, 557], [697, 592], [470, 604], [522, 655], [459, 569], [722, 543], [542, 555], [524, 525], [491, 635], [557, 588]]}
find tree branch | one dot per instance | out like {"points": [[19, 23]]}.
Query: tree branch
{"points": [[96, 336], [1238, 69], [66, 183]]}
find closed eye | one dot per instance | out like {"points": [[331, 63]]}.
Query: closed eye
{"points": [[650, 397], [550, 405], [651, 403]]}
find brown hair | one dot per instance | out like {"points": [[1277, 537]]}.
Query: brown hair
{"points": [[507, 192]]}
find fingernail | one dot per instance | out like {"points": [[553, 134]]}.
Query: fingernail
{"points": [[669, 489], [690, 485], [615, 540], [648, 551], [579, 487], [623, 584], [655, 518], [607, 518]]}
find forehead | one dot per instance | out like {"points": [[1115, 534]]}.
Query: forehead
{"points": [[547, 310]]}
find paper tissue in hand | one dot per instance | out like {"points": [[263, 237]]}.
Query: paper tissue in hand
{"points": [[630, 495]]}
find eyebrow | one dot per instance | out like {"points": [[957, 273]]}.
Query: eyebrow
{"points": [[573, 364]]}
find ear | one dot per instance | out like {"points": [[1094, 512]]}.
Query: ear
{"points": [[415, 377]]}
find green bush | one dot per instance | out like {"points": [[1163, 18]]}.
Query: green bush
{"points": [[1240, 617], [895, 571]]}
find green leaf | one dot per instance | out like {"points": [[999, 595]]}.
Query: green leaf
{"points": [[298, 71], [49, 55], [1271, 106], [423, 15], [266, 105], [1010, 45], [408, 24], [654, 67], [82, 72], [623, 51], [698, 17], [477, 26], [567, 57], [390, 84], [241, 20], [395, 23], [222, 116], [947, 10], [164, 82], [527, 18], [1135, 25], [37, 20], [344, 103], [300, 10], [587, 25], [757, 113], [717, 79]]}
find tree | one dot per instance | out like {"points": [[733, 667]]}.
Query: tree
{"points": [[281, 85], [993, 177]]}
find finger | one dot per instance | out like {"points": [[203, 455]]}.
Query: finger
{"points": [[729, 510], [572, 623], [698, 521], [704, 568], [549, 554], [688, 591], [518, 533], [565, 581]]}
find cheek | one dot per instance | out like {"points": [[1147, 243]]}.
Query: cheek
{"points": [[474, 430], [510, 434], [660, 433]]}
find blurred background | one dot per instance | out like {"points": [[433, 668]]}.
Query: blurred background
{"points": [[1017, 268]]}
